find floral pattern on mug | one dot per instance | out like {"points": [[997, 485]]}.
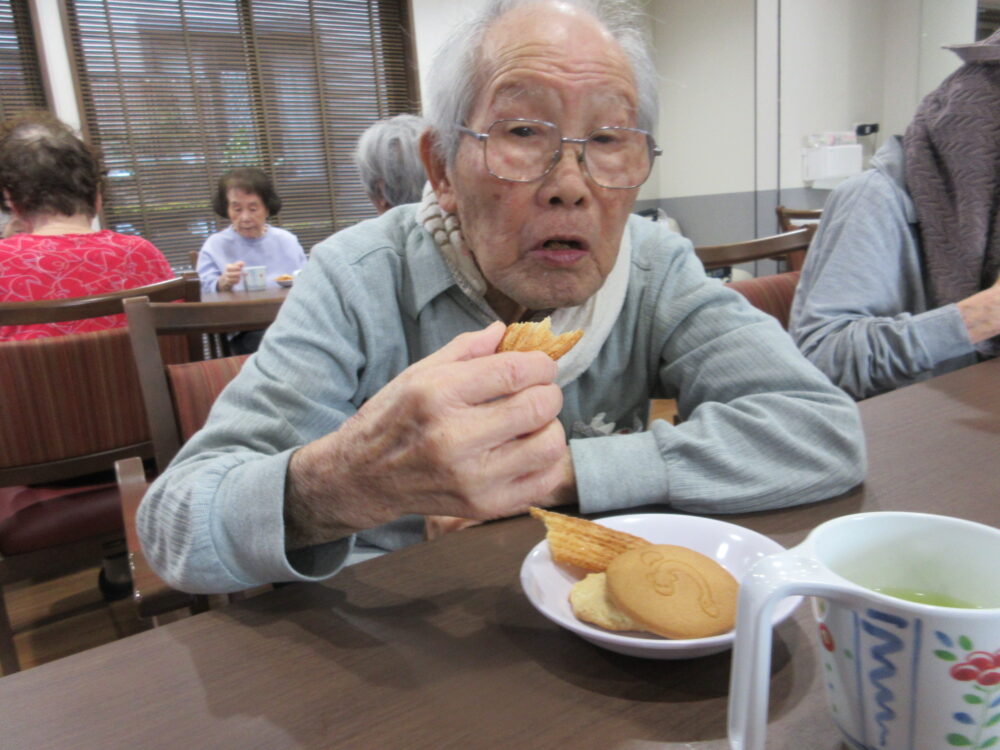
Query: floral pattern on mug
{"points": [[982, 669]]}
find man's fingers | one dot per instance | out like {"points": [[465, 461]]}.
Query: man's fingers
{"points": [[496, 422], [465, 346], [530, 453], [474, 374], [488, 378]]}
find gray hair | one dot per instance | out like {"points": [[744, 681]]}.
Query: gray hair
{"points": [[457, 65], [388, 158]]}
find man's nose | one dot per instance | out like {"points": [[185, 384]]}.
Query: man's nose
{"points": [[567, 183]]}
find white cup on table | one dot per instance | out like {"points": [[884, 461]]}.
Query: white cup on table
{"points": [[254, 278], [907, 613]]}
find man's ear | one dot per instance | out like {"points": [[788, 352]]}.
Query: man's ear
{"points": [[437, 172]]}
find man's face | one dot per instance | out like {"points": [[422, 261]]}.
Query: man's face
{"points": [[548, 243]]}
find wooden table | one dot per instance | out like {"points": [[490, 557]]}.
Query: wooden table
{"points": [[241, 294], [436, 646]]}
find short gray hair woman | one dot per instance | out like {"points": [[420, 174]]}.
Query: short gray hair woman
{"points": [[388, 158]]}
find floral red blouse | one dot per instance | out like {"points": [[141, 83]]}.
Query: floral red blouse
{"points": [[34, 266]]}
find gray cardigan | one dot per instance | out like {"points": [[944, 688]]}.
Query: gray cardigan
{"points": [[860, 311], [763, 428]]}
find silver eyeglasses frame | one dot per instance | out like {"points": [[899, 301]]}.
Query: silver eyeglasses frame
{"points": [[654, 150]]}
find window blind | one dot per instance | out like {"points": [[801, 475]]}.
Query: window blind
{"points": [[175, 92], [20, 78]]}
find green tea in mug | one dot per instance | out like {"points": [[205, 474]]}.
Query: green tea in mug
{"points": [[925, 597]]}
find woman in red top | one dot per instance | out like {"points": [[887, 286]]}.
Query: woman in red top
{"points": [[50, 182]]}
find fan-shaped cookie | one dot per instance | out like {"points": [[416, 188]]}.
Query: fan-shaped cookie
{"points": [[588, 545], [530, 337]]}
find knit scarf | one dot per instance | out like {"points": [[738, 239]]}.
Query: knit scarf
{"points": [[953, 175], [596, 317]]}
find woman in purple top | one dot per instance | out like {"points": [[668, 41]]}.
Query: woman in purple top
{"points": [[247, 198]]}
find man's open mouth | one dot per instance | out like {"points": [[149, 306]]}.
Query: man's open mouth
{"points": [[561, 244]]}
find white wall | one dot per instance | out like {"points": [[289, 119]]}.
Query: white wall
{"points": [[831, 72], [901, 21], [943, 22], [432, 20], [704, 53], [914, 34]]}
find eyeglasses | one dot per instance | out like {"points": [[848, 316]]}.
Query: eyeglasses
{"points": [[520, 150]]}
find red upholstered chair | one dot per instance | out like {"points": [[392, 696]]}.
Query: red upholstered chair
{"points": [[177, 399], [772, 294], [71, 408]]}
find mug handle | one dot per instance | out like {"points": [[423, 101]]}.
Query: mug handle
{"points": [[770, 580]]}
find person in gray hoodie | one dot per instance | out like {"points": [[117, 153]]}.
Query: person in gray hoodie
{"points": [[899, 284]]}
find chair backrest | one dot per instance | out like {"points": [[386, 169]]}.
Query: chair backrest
{"points": [[96, 306], [776, 246], [72, 404], [772, 294], [193, 258], [790, 219], [203, 381]]}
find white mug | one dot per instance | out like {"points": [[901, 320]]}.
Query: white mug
{"points": [[914, 673], [254, 278]]}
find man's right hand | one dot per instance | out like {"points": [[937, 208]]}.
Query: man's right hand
{"points": [[463, 432], [231, 276]]}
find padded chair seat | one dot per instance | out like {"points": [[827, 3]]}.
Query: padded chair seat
{"points": [[34, 518], [772, 294]]}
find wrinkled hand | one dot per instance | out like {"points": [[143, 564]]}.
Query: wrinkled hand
{"points": [[464, 432], [231, 276]]}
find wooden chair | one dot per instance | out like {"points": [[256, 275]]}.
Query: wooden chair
{"points": [[193, 258], [790, 219], [72, 407], [776, 246], [177, 399]]}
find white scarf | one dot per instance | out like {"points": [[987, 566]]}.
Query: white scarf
{"points": [[595, 317]]}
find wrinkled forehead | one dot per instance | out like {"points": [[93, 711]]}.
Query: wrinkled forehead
{"points": [[541, 52], [530, 94]]}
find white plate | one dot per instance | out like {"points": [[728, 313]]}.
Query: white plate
{"points": [[285, 282], [547, 584]]}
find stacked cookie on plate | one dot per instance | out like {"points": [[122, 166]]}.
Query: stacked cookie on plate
{"points": [[632, 584]]}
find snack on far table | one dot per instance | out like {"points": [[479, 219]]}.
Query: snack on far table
{"points": [[283, 277], [588, 545], [673, 591], [529, 337]]}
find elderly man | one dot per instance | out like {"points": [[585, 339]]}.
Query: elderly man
{"points": [[388, 160], [377, 401]]}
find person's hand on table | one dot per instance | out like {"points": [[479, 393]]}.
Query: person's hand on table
{"points": [[231, 276], [463, 432]]}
